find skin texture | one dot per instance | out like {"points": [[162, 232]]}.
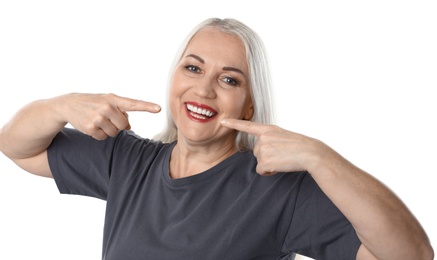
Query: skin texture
{"points": [[206, 75], [215, 77]]}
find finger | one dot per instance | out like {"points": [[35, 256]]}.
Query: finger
{"points": [[112, 128], [98, 134], [102, 127], [126, 115], [261, 169], [249, 127], [128, 104], [267, 173], [118, 119]]}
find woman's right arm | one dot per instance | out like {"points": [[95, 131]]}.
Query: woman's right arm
{"points": [[26, 137]]}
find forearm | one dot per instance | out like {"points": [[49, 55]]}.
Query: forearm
{"points": [[32, 129], [383, 223]]}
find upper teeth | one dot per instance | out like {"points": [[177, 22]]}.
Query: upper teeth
{"points": [[199, 110]]}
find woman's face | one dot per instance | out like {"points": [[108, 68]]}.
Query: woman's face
{"points": [[210, 82]]}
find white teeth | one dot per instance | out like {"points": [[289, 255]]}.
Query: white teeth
{"points": [[199, 110]]}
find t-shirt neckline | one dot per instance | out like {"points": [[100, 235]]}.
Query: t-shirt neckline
{"points": [[197, 178]]}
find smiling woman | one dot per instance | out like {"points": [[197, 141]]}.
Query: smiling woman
{"points": [[221, 181], [213, 80], [253, 57]]}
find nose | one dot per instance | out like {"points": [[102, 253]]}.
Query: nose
{"points": [[205, 87]]}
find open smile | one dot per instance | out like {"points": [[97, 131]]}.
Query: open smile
{"points": [[199, 112]]}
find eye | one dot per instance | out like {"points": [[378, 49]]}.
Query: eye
{"points": [[193, 68], [230, 81]]}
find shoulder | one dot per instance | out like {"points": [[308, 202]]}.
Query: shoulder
{"points": [[130, 138], [128, 143]]}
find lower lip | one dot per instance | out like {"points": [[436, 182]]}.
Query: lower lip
{"points": [[193, 117]]}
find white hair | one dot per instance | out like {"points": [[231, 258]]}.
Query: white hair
{"points": [[259, 77]]}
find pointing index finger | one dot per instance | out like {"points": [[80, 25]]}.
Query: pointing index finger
{"points": [[128, 104], [249, 127]]}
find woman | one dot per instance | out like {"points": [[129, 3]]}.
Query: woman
{"points": [[193, 193]]}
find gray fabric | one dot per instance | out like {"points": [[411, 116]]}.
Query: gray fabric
{"points": [[226, 212], [289, 256]]}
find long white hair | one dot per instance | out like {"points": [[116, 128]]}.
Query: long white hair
{"points": [[259, 78]]}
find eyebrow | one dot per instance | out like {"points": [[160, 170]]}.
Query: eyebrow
{"points": [[234, 69], [224, 68], [196, 57]]}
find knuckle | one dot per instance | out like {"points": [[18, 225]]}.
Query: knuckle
{"points": [[110, 95], [97, 121], [105, 109]]}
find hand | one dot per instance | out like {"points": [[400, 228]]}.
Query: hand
{"points": [[279, 150], [102, 115]]}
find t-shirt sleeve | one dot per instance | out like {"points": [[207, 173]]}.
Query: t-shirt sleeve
{"points": [[80, 164], [318, 229]]}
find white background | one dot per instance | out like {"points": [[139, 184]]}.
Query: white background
{"points": [[359, 76]]}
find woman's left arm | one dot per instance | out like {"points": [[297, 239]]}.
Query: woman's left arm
{"points": [[385, 226]]}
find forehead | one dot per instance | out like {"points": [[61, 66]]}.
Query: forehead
{"points": [[213, 44]]}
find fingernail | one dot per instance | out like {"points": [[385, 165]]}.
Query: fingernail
{"points": [[156, 107]]}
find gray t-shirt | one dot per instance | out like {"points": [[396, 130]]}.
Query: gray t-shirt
{"points": [[227, 212]]}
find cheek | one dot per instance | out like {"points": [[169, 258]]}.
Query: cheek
{"points": [[173, 97], [178, 85], [175, 91], [237, 103], [246, 105]]}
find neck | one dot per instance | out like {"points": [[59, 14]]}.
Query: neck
{"points": [[187, 160]]}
